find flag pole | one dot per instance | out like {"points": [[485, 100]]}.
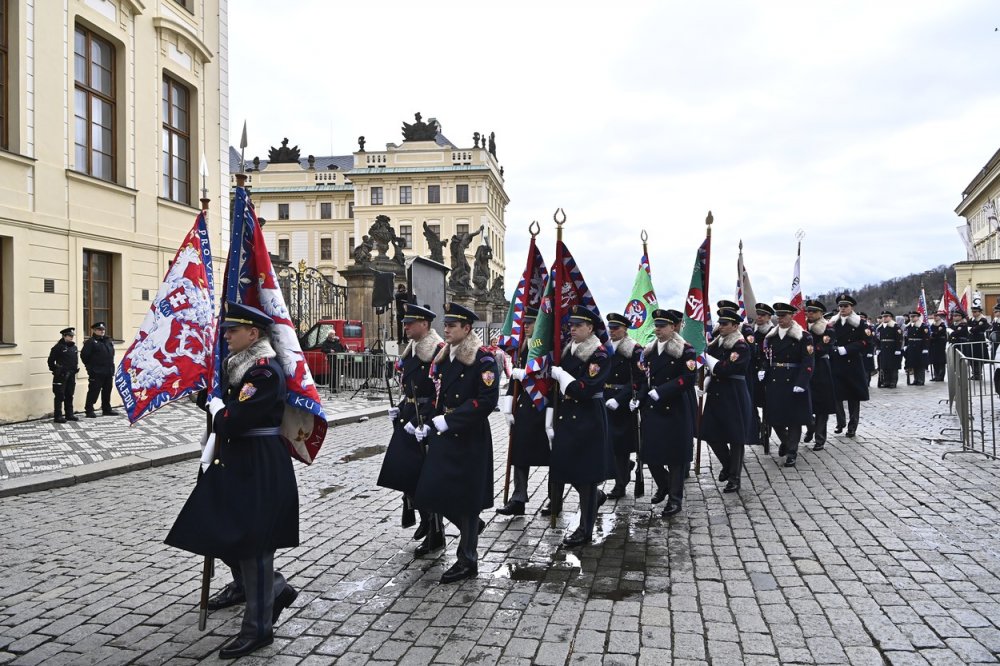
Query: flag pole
{"points": [[701, 379], [556, 347], [640, 480], [208, 566]]}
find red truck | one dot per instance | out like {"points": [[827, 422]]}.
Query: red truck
{"points": [[351, 334]]}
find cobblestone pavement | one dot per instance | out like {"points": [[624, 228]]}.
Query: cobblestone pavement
{"points": [[871, 552]]}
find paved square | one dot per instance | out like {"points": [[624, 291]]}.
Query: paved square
{"points": [[871, 552]]}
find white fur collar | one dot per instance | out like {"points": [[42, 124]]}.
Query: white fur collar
{"points": [[884, 325], [424, 348], [585, 349], [239, 363], [854, 320], [794, 330], [819, 326], [674, 347], [465, 351], [728, 341], [625, 346], [763, 329]]}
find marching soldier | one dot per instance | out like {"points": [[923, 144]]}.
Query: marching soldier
{"points": [[959, 330], [762, 326], [726, 423], [529, 443], [581, 452], [938, 331], [98, 356], [870, 354], [246, 504], [64, 364], [851, 341], [625, 380], [979, 328], [456, 480], [889, 340], [915, 349], [404, 456], [821, 385], [669, 409], [788, 352]]}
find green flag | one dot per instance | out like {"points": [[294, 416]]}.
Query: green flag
{"points": [[641, 304], [695, 314]]}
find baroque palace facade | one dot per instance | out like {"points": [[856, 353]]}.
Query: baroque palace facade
{"points": [[107, 108], [981, 233]]}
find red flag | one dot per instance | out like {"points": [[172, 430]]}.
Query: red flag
{"points": [[796, 302]]}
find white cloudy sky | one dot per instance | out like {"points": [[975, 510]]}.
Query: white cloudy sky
{"points": [[857, 122]]}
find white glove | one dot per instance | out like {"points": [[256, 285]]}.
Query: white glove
{"points": [[710, 361], [550, 430], [506, 404], [611, 404], [798, 389], [633, 405], [899, 353], [510, 419], [517, 373], [422, 432], [207, 450], [699, 393], [926, 351], [653, 395], [440, 424], [410, 429], [904, 349], [708, 380], [842, 351], [393, 412], [215, 405], [760, 375], [564, 378]]}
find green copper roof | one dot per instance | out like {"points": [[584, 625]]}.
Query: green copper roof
{"points": [[300, 188]]}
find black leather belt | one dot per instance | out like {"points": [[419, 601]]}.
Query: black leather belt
{"points": [[616, 387], [261, 432], [419, 401], [785, 365]]}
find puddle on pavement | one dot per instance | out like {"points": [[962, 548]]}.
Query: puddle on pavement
{"points": [[362, 453], [323, 492], [614, 595], [560, 562]]}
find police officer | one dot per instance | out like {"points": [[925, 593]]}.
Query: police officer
{"points": [[851, 341], [405, 455], [889, 340], [581, 451], [726, 422], [669, 409], [762, 326], [821, 385], [64, 364], [979, 328], [788, 352], [529, 446], [626, 379], [98, 356], [938, 331], [456, 480], [246, 503], [915, 348]]}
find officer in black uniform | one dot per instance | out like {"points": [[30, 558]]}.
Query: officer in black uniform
{"points": [[851, 341], [870, 353], [959, 330], [821, 390], [889, 340], [246, 503], [456, 479], [762, 326], [405, 454], [626, 379], [529, 446], [788, 352], [98, 356], [727, 422], [994, 334], [64, 364], [915, 348], [979, 328], [669, 409], [938, 331], [581, 450]]}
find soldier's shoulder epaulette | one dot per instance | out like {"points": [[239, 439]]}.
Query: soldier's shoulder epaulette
{"points": [[485, 355], [259, 370], [601, 351], [262, 361]]}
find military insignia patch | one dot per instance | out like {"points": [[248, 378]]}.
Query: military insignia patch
{"points": [[489, 377], [691, 364], [593, 369], [247, 392], [735, 356], [809, 349]]}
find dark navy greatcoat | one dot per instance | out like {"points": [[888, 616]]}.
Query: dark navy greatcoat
{"points": [[822, 394], [757, 363], [889, 338], [790, 363], [668, 424], [916, 338], [959, 334], [457, 476], [727, 417], [938, 342], [979, 328], [625, 380], [850, 378], [581, 450], [247, 502], [869, 356], [404, 456], [529, 446]]}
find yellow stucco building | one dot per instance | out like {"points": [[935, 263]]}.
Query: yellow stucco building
{"points": [[981, 233], [107, 108]]}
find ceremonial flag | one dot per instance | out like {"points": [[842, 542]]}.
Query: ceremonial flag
{"points": [[641, 304], [697, 317], [949, 301], [172, 352], [922, 305], [744, 292], [966, 300], [527, 295], [796, 301], [250, 279]]}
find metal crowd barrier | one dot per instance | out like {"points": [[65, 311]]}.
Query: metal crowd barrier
{"points": [[973, 381], [369, 376]]}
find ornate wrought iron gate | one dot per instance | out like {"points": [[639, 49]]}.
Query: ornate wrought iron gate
{"points": [[311, 296]]}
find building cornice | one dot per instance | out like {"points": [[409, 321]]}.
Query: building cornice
{"points": [[378, 171], [984, 179], [173, 27]]}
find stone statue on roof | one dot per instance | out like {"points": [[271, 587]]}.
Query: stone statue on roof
{"points": [[363, 252], [481, 268], [383, 234], [419, 130], [283, 155], [435, 244]]}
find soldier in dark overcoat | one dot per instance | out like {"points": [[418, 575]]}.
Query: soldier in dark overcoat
{"points": [[869, 356], [529, 445], [889, 341], [788, 351], [64, 364], [581, 450], [98, 356], [979, 328], [959, 329], [405, 455], [821, 385], [727, 422], [456, 479], [626, 379], [246, 503], [762, 326], [916, 350], [938, 331], [851, 341], [669, 409]]}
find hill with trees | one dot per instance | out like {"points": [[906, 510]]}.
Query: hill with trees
{"points": [[898, 295]]}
